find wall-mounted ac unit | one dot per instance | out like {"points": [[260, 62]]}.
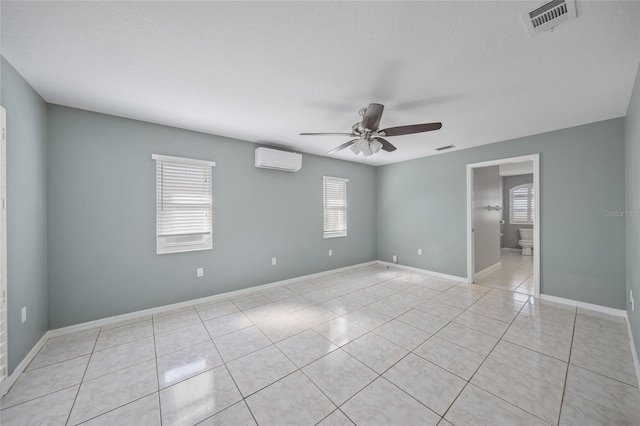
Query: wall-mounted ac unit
{"points": [[267, 158]]}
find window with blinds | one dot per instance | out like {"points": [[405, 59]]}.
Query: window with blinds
{"points": [[521, 204], [335, 206], [183, 204]]}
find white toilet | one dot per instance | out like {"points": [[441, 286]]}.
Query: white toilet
{"points": [[526, 241]]}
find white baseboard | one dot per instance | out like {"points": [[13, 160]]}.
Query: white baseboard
{"points": [[11, 379], [424, 271], [584, 305], [488, 269], [160, 309], [510, 249], [636, 363]]}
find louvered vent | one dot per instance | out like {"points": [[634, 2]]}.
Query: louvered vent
{"points": [[549, 16]]}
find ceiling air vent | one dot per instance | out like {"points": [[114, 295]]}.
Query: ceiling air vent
{"points": [[442, 148], [549, 16]]}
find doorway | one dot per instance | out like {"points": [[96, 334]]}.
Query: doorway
{"points": [[484, 214]]}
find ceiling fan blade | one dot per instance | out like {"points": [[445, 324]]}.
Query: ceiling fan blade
{"points": [[412, 128], [386, 145], [327, 134], [343, 146], [371, 118]]}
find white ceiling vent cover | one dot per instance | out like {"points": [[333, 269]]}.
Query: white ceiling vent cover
{"points": [[275, 159], [549, 16]]}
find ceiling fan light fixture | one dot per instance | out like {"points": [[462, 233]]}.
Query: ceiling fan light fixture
{"points": [[354, 148], [364, 146], [375, 146]]}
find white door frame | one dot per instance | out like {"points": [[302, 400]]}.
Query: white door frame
{"points": [[536, 222], [4, 351]]}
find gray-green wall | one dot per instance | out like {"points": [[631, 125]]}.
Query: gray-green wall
{"points": [[422, 203], [102, 218], [26, 212], [632, 221]]}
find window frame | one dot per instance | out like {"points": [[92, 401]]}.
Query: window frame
{"points": [[530, 204], [187, 241], [329, 232]]}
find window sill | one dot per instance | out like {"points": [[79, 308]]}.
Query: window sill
{"points": [[334, 236]]}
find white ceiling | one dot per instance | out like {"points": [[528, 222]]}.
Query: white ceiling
{"points": [[266, 71]]}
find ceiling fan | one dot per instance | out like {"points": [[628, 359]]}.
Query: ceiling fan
{"points": [[368, 137]]}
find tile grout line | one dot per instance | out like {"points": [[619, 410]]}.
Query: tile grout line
{"points": [[155, 351], [468, 382], [381, 375], [566, 375], [127, 403], [75, 399], [329, 415], [45, 366], [327, 396], [116, 408], [224, 363], [482, 363]]}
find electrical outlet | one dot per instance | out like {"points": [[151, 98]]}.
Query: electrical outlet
{"points": [[200, 272], [633, 304], [330, 252], [273, 261], [24, 314], [419, 252], [395, 258]]}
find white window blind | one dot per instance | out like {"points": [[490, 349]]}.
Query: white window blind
{"points": [[335, 206], [183, 204], [521, 204]]}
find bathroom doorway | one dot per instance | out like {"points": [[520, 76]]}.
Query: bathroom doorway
{"points": [[494, 241]]}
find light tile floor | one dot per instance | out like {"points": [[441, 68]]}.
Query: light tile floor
{"points": [[374, 345], [514, 274]]}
